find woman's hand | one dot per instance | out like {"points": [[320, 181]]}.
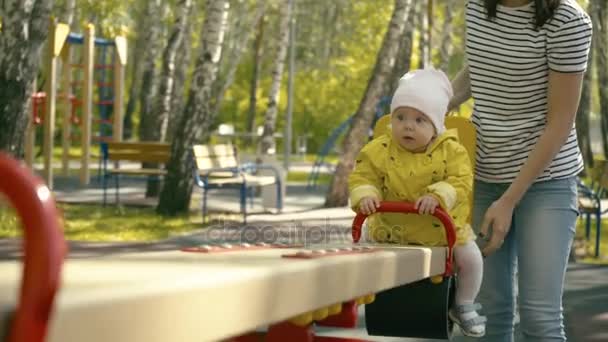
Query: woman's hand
{"points": [[368, 205], [426, 204], [498, 216]]}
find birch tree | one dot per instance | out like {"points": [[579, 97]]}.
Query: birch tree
{"points": [[143, 44], [167, 78], [182, 66], [446, 36], [357, 135], [148, 129], [25, 26], [243, 33], [67, 12], [268, 143], [584, 107], [403, 61], [255, 76], [424, 42], [601, 41], [194, 123]]}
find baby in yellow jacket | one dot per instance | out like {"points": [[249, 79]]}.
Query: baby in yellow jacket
{"points": [[419, 162]]}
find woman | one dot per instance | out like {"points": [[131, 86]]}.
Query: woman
{"points": [[525, 65]]}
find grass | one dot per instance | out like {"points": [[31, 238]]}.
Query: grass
{"points": [[95, 223], [75, 153], [302, 177]]}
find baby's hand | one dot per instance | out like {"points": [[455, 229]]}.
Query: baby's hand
{"points": [[368, 205], [426, 204]]}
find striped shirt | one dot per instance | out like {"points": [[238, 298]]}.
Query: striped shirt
{"points": [[509, 62]]}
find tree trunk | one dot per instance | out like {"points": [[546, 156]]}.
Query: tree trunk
{"points": [[177, 190], [167, 77], [601, 41], [182, 65], [25, 27], [404, 57], [156, 121], [268, 144], [584, 109], [67, 12], [241, 40], [446, 36], [149, 129], [357, 135], [255, 78], [424, 50], [139, 53]]}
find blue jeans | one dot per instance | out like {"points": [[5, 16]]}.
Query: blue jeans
{"points": [[535, 252]]}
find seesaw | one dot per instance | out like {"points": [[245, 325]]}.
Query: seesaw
{"points": [[214, 293]]}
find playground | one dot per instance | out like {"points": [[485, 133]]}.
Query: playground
{"points": [[179, 171], [304, 222]]}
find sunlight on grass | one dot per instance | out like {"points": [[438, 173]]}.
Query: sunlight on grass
{"points": [[75, 153], [95, 223], [302, 177]]}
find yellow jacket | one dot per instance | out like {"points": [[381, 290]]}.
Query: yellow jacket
{"points": [[388, 171]]}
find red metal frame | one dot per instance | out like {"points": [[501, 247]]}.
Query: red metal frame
{"points": [[38, 107], [347, 318], [44, 249], [407, 208]]}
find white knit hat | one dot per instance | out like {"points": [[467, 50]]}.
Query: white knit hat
{"points": [[428, 90]]}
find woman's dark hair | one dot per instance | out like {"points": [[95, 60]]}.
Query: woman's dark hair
{"points": [[544, 10]]}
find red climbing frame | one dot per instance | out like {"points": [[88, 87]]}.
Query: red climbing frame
{"points": [[44, 249], [38, 107]]}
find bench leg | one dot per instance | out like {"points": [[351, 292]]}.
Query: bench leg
{"points": [[117, 189], [587, 226], [204, 208], [244, 201], [251, 194], [104, 182], [279, 197], [598, 228]]}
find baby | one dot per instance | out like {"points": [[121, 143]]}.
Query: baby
{"points": [[420, 162]]}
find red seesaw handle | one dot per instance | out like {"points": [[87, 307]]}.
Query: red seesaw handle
{"points": [[407, 208], [44, 249]]}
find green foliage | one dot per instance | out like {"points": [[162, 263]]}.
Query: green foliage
{"points": [[109, 16], [337, 45], [324, 97]]}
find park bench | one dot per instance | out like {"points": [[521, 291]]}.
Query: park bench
{"points": [[156, 153], [217, 166], [590, 200]]}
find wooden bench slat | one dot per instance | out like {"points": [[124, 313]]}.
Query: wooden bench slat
{"points": [[206, 163], [219, 174], [214, 150], [141, 172], [250, 179], [162, 158], [151, 146]]}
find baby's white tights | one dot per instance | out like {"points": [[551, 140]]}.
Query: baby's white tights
{"points": [[469, 263]]}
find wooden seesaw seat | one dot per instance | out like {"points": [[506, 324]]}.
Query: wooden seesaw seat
{"points": [[179, 295]]}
